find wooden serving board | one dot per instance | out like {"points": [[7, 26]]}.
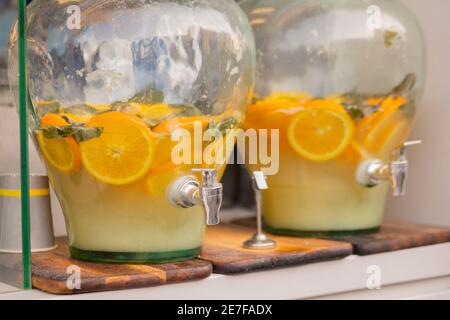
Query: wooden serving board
{"points": [[223, 248], [393, 236], [51, 271]]}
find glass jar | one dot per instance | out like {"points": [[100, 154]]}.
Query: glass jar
{"points": [[110, 84], [341, 81]]}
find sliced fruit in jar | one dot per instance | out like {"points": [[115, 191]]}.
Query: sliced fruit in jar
{"points": [[123, 153], [61, 153], [297, 97], [392, 104], [395, 134], [355, 152], [183, 122], [156, 111], [325, 104], [375, 131], [164, 145], [320, 134]]}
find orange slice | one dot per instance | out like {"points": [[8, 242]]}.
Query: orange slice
{"points": [[325, 104], [374, 130], [271, 115], [296, 97], [183, 122], [320, 134], [123, 153], [157, 111], [61, 153], [336, 98]]}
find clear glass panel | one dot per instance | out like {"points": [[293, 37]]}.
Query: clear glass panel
{"points": [[14, 265]]}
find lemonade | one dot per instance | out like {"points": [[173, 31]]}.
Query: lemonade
{"points": [[322, 143], [109, 85], [111, 171]]}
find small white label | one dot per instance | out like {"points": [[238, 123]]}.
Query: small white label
{"points": [[260, 180]]}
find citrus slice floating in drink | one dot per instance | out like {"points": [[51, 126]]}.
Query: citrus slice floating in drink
{"points": [[157, 111], [61, 153], [123, 153], [386, 125], [187, 123], [320, 134], [325, 104]]}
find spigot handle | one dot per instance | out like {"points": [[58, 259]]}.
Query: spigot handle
{"points": [[400, 152], [399, 167], [210, 195], [372, 172], [209, 177]]}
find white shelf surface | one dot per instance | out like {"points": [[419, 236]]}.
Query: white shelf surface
{"points": [[419, 273]]}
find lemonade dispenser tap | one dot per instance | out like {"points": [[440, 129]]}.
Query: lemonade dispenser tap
{"points": [[187, 192], [373, 172]]}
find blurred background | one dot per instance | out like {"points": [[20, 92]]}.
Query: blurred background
{"points": [[428, 199]]}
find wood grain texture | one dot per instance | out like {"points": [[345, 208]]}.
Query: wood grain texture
{"points": [[223, 248], [393, 236], [49, 271]]}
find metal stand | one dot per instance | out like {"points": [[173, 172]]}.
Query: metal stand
{"points": [[259, 241]]}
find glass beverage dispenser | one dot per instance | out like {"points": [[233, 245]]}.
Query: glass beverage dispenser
{"points": [[341, 80], [110, 84]]}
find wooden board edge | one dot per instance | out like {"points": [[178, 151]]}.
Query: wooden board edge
{"points": [[271, 263], [386, 245]]}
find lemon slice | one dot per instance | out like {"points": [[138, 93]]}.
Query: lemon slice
{"points": [[320, 134], [61, 153], [123, 153]]}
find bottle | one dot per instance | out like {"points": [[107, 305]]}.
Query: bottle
{"points": [[341, 80], [114, 86]]}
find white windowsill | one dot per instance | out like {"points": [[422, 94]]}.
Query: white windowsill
{"points": [[419, 273]]}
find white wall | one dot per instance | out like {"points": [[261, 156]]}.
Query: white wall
{"points": [[428, 199]]}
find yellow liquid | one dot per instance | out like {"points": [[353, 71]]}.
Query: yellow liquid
{"points": [[310, 196], [101, 217], [126, 220]]}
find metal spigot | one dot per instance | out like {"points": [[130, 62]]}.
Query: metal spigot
{"points": [[187, 192], [373, 172]]}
